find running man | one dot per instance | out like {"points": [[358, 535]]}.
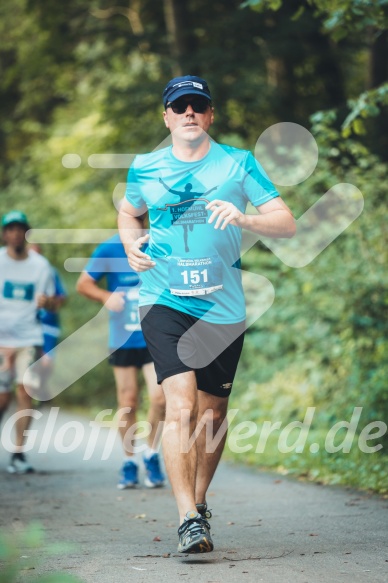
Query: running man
{"points": [[191, 302], [129, 354], [26, 286]]}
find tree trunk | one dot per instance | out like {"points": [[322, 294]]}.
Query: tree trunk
{"points": [[377, 75], [179, 36], [378, 59]]}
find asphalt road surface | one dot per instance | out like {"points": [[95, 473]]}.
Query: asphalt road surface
{"points": [[265, 527]]}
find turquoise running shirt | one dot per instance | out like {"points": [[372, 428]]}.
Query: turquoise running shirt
{"points": [[197, 266]]}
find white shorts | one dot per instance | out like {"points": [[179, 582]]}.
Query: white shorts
{"points": [[13, 364]]}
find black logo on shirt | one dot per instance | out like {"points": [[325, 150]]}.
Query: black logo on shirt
{"points": [[189, 211]]}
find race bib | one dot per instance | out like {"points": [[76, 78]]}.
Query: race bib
{"points": [[131, 314], [19, 291], [194, 277]]}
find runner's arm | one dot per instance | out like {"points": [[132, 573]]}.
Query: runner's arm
{"points": [[88, 287], [274, 218], [133, 236]]}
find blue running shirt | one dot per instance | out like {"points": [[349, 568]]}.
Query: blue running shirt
{"points": [[192, 257], [50, 320], [109, 260]]}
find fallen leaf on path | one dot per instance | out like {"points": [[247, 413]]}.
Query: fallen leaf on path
{"points": [[157, 539], [140, 515]]}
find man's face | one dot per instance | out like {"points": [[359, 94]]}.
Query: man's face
{"points": [[14, 236], [189, 126]]}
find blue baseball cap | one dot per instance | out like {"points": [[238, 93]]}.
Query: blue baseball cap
{"points": [[14, 217], [187, 85]]}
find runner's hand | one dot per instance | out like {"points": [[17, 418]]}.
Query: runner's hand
{"points": [[138, 260], [225, 212], [115, 302], [46, 302]]}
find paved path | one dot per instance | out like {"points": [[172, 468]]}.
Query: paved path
{"points": [[265, 527]]}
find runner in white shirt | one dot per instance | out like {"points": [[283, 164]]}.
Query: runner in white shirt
{"points": [[26, 284]]}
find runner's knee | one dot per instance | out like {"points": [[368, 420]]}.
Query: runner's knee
{"points": [[181, 407], [22, 395], [158, 401], [128, 399]]}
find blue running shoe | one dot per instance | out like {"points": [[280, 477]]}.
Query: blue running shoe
{"points": [[128, 477], [19, 465], [154, 475]]}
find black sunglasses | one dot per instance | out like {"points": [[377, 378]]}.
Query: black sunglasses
{"points": [[199, 104]]}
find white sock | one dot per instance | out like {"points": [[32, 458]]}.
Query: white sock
{"points": [[149, 452], [130, 458]]}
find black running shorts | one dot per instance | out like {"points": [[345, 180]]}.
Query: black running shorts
{"points": [[130, 357], [163, 327]]}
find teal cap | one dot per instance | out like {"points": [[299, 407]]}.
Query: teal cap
{"points": [[15, 217]]}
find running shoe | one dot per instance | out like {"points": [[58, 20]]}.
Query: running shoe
{"points": [[19, 465], [203, 510], [128, 477], [154, 475], [194, 534]]}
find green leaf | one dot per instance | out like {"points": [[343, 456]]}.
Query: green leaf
{"points": [[298, 13], [358, 127]]}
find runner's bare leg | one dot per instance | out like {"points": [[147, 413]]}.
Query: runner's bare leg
{"points": [[127, 396], [24, 402], [157, 408], [212, 409], [181, 418]]}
